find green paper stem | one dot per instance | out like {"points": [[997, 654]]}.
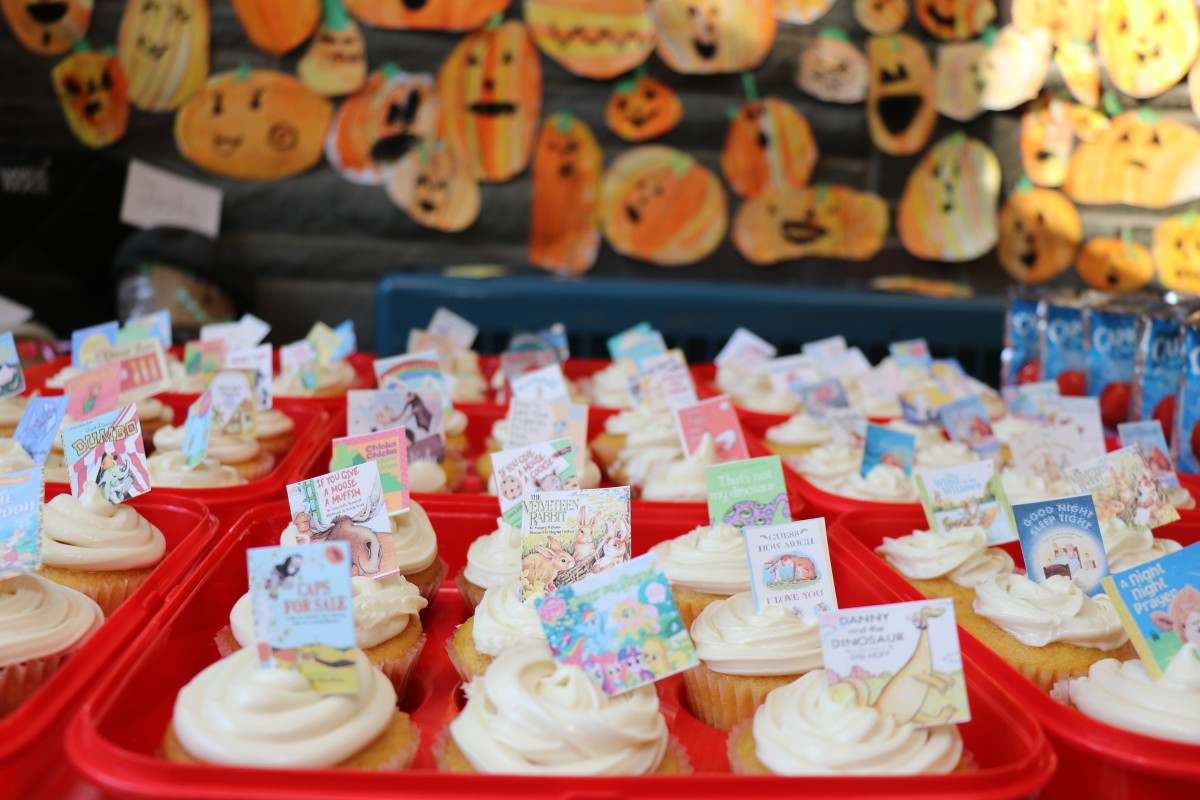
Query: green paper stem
{"points": [[1112, 104], [494, 21], [625, 86], [731, 113], [82, 46], [989, 35], [110, 51], [1147, 116], [835, 33], [750, 86], [334, 15], [822, 193], [680, 162], [243, 72], [641, 70], [957, 137], [1023, 184], [1189, 217], [389, 70], [562, 121], [1127, 241]]}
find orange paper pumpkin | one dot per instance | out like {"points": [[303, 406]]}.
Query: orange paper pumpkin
{"points": [[163, 50], [335, 62], [47, 28], [278, 26], [1176, 251], [802, 12], [881, 17], [1147, 46], [900, 111], [1014, 69], [1088, 123], [1064, 20], [1080, 71], [394, 113], [1194, 87], [959, 84], [94, 98], [948, 209], [1040, 231], [1141, 160], [643, 109], [427, 15], [662, 206], [1047, 140], [952, 20], [568, 166], [491, 95], [434, 186], [598, 39], [705, 37], [768, 144], [1115, 265], [253, 125], [828, 221], [834, 70]]}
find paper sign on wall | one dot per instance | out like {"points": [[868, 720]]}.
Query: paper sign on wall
{"points": [[155, 198]]}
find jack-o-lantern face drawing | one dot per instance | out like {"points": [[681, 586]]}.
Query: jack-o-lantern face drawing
{"points": [[256, 125], [802, 12], [491, 94], [1080, 71], [900, 112], [434, 186], [597, 39], [829, 221], [643, 109], [1115, 265], [1040, 231], [1047, 140], [1014, 69], [769, 144], [706, 37], [660, 205], [394, 113], [958, 93], [948, 209], [881, 17], [1176, 250], [277, 26], [834, 70], [1147, 46], [952, 20], [427, 15], [1064, 20], [163, 49], [1141, 160], [48, 27], [91, 90], [335, 62], [568, 165]]}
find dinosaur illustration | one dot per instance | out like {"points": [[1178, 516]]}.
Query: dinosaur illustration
{"points": [[905, 693], [753, 514]]}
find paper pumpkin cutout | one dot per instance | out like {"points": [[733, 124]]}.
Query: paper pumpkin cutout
{"points": [[598, 39], [1047, 140], [1194, 87], [163, 49], [47, 28], [959, 85], [1147, 46], [1064, 20], [1080, 70], [278, 26], [881, 17], [832, 69], [1014, 69], [662, 206], [706, 37], [568, 166], [253, 125], [335, 62], [393, 114], [434, 186], [802, 12], [769, 143], [900, 112], [953, 20], [1141, 160], [93, 96], [1040, 231], [643, 109], [948, 209], [1115, 265], [426, 15], [491, 94], [1088, 123], [829, 221], [1176, 250]]}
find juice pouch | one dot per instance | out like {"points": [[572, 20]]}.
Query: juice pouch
{"points": [[1019, 360], [1062, 345], [1186, 439], [1159, 367], [1111, 328]]}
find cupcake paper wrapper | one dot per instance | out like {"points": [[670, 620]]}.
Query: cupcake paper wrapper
{"points": [[691, 603], [737, 764], [723, 701], [19, 681], [403, 757], [465, 671], [428, 586], [277, 446], [441, 745], [472, 594], [112, 593], [257, 468], [400, 670]]}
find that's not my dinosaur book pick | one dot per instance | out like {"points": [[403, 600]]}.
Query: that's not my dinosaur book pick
{"points": [[718, 418], [388, 450], [1062, 537], [567, 536], [903, 658], [748, 493], [108, 451], [967, 495], [21, 522], [521, 471], [789, 567]]}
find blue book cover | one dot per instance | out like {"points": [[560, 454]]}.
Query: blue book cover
{"points": [[1062, 537], [967, 421], [888, 447]]}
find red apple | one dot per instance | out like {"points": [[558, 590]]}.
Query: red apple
{"points": [[1071, 383], [1164, 412], [1114, 404], [1030, 372]]}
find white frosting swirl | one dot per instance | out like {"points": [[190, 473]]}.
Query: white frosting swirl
{"points": [[1009, 426], [39, 618], [683, 481], [426, 477], [454, 422], [1181, 498], [945, 454], [732, 639], [414, 539], [332, 379], [1127, 548], [13, 457], [12, 409], [495, 558], [503, 622], [610, 387], [829, 465], [647, 447], [90, 533], [1037, 614], [923, 435], [800, 429], [226, 449], [1021, 486], [960, 555], [273, 422], [708, 559], [468, 384], [171, 470], [55, 469], [635, 419], [882, 484]]}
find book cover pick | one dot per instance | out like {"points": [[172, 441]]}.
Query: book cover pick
{"points": [[748, 493], [568, 536], [968, 495], [1062, 537], [789, 567]]}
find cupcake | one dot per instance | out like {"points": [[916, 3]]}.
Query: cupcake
{"points": [[417, 550], [427, 477], [682, 481], [946, 564], [153, 415], [801, 433], [609, 387], [11, 411], [1022, 486], [585, 465], [924, 436], [811, 728], [492, 561], [646, 447], [237, 714], [883, 483], [704, 565], [13, 457], [245, 455], [276, 432], [170, 471], [41, 625], [333, 380], [529, 716], [828, 466], [944, 454], [745, 655], [608, 445], [1127, 548], [751, 389], [467, 384], [1181, 498], [501, 622], [103, 550]]}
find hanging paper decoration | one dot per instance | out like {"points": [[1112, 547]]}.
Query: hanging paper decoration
{"points": [[1176, 251], [598, 39], [335, 62], [1115, 265], [802, 12], [1047, 140], [832, 69], [643, 108], [881, 17], [958, 91], [278, 26], [953, 20], [491, 94], [1147, 46], [662, 206], [1142, 160], [1194, 87], [1064, 20], [1080, 70], [715, 36], [769, 144], [253, 125], [163, 49], [900, 112], [1088, 123], [568, 166], [1014, 69], [47, 28], [427, 15], [1040, 231], [434, 186], [948, 209], [823, 220], [394, 113], [92, 93]]}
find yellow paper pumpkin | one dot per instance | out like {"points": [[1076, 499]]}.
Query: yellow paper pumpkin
{"points": [[802, 12], [714, 36], [769, 144], [1114, 265], [952, 20], [335, 62], [1080, 71], [1147, 46], [94, 98], [163, 49], [881, 17], [426, 15], [568, 166], [434, 186], [827, 221], [1014, 69], [1064, 20], [1047, 140], [47, 28], [598, 39], [900, 111], [1176, 252], [1040, 231], [832, 69], [959, 85]]}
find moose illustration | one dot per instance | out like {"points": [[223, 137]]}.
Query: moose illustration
{"points": [[366, 554]]}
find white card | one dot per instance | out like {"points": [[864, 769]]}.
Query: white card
{"points": [[746, 349], [155, 198], [457, 329], [546, 384]]}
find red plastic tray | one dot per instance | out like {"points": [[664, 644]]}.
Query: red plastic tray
{"points": [[114, 739], [31, 737], [1096, 760]]}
